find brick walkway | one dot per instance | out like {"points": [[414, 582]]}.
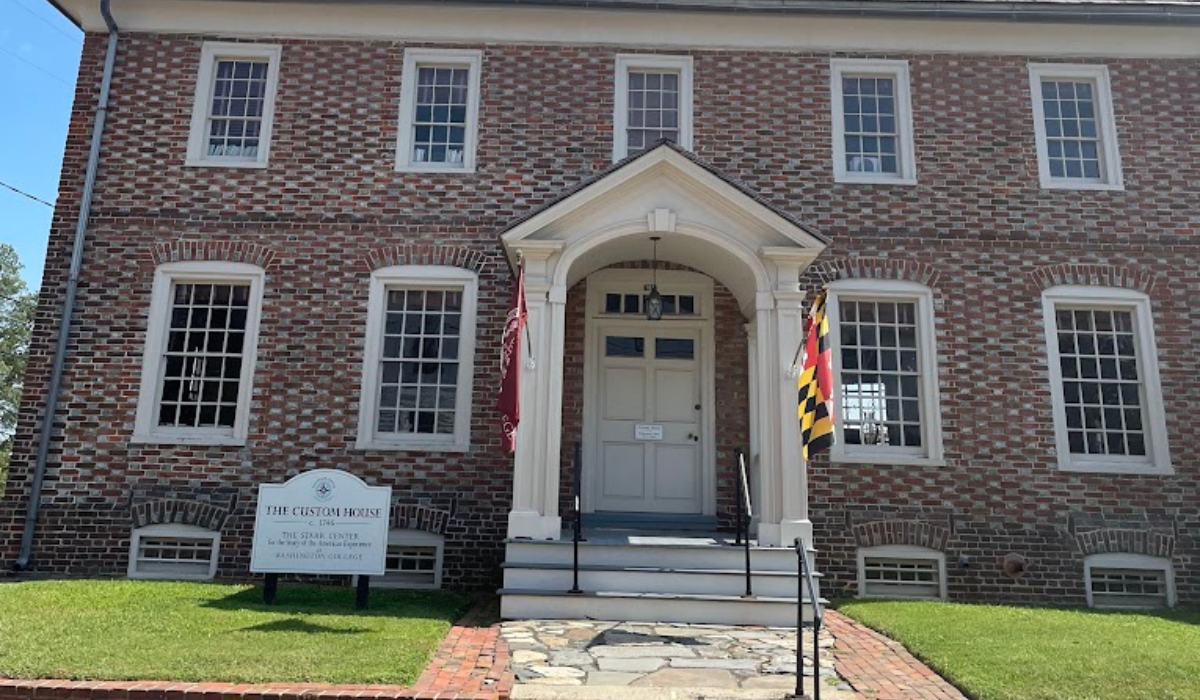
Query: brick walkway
{"points": [[879, 668], [470, 664]]}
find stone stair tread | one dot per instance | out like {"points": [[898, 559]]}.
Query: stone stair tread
{"points": [[655, 596], [698, 545], [649, 569]]}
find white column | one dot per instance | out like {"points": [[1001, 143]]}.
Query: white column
{"points": [[793, 521], [757, 492], [770, 508]]}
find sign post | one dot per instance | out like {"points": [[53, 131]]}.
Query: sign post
{"points": [[325, 522]]}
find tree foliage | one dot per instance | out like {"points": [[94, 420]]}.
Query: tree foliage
{"points": [[16, 320]]}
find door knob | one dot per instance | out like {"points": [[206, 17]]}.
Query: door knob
{"points": [[693, 438], [697, 407]]}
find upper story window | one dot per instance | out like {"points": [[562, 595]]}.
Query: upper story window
{"points": [[884, 359], [234, 105], [419, 361], [1075, 127], [439, 110], [653, 101], [1108, 412], [872, 122], [200, 350]]}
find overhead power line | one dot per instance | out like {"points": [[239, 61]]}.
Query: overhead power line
{"points": [[23, 193], [31, 64], [48, 23]]}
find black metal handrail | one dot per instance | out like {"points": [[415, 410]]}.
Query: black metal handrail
{"points": [[806, 577], [577, 534], [745, 514]]}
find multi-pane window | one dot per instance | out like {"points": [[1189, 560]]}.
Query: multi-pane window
{"points": [[653, 108], [202, 362], [236, 115], [411, 565], [439, 106], [653, 102], [1101, 382], [440, 122], [1133, 588], [235, 97], [418, 388], [901, 571], [1108, 412], [635, 304], [1076, 137], [880, 373], [872, 121], [419, 359], [173, 551]]}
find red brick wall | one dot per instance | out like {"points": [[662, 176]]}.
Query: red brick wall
{"points": [[977, 218]]}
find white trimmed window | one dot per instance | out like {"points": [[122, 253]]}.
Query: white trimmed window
{"points": [[170, 551], [419, 360], [884, 361], [872, 122], [1108, 411], [1075, 127], [1129, 581], [653, 101], [901, 571], [414, 560], [439, 110], [200, 352], [234, 105]]}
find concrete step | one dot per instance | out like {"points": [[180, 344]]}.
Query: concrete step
{"points": [[650, 553], [651, 579], [525, 603]]}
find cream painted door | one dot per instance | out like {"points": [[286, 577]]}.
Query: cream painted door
{"points": [[649, 419]]}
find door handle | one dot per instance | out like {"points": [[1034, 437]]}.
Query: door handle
{"points": [[693, 438]]}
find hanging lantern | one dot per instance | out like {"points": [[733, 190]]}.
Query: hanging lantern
{"points": [[654, 301]]}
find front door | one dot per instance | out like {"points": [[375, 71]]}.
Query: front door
{"points": [[649, 417]]}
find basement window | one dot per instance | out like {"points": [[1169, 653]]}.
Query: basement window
{"points": [[901, 571], [170, 551], [1129, 581], [414, 560]]}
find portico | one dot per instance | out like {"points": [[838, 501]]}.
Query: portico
{"points": [[648, 435]]}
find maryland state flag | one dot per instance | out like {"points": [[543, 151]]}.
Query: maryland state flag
{"points": [[816, 385], [508, 402]]}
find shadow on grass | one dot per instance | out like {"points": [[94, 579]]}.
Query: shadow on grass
{"points": [[312, 599], [298, 625]]}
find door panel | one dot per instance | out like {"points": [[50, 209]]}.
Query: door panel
{"points": [[624, 473], [624, 395]]}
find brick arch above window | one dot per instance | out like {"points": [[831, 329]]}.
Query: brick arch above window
{"points": [[1118, 276], [423, 517], [179, 512], [907, 532], [198, 250], [828, 271], [424, 254], [1124, 541]]}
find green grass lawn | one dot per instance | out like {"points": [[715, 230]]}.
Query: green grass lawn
{"points": [[1019, 653], [158, 630]]}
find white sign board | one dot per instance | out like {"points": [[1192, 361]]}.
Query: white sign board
{"points": [[647, 432], [321, 522]]}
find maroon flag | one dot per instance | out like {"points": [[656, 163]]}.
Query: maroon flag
{"points": [[509, 402]]}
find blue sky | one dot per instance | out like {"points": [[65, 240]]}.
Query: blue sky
{"points": [[39, 58]]}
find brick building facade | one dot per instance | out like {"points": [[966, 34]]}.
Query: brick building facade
{"points": [[977, 228]]}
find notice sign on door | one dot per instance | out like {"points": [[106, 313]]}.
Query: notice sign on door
{"points": [[321, 522], [647, 432]]}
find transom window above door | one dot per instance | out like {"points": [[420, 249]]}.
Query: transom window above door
{"points": [[653, 101], [634, 304]]}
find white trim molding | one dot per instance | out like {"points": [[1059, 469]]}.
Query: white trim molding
{"points": [[627, 62], [146, 428], [170, 535], [1157, 459], [211, 54], [1127, 563], [1110, 177], [930, 453], [906, 162], [414, 60], [423, 278], [899, 554]]}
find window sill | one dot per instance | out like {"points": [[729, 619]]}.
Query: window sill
{"points": [[189, 440], [205, 163], [886, 460], [411, 446], [1069, 185], [1076, 467], [435, 170], [171, 577], [861, 180]]}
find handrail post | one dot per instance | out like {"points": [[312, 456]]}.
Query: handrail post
{"points": [[577, 534], [806, 576], [737, 525], [745, 513]]}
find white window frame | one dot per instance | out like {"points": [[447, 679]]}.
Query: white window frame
{"points": [[406, 537], [900, 551], [210, 54], [418, 277], [627, 62], [146, 428], [1157, 459], [1123, 560], [906, 158], [414, 59], [172, 530], [1112, 178], [931, 453]]}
